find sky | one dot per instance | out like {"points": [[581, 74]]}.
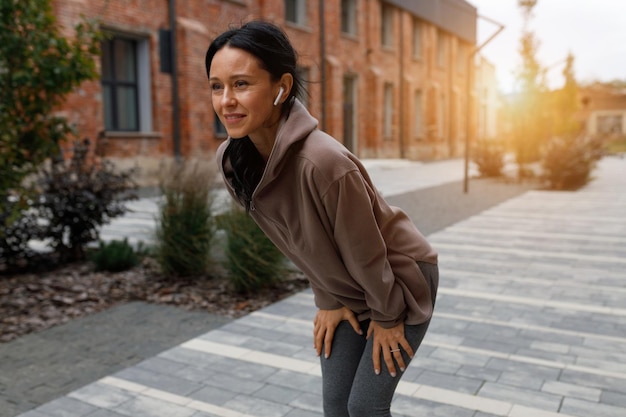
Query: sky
{"points": [[594, 31]]}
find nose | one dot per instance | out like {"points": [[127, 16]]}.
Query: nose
{"points": [[228, 97]]}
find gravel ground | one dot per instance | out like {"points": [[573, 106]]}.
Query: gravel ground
{"points": [[41, 366]]}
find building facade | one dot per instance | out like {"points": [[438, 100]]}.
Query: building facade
{"points": [[386, 78], [487, 100], [603, 110]]}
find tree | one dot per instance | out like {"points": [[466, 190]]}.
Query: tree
{"points": [[528, 112], [566, 102], [38, 68]]}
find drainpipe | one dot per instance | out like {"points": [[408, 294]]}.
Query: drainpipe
{"points": [[401, 89], [175, 105], [322, 64]]}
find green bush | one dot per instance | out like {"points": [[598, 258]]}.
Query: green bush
{"points": [[568, 161], [15, 253], [488, 155], [71, 200], [185, 227], [252, 260], [79, 196], [115, 256]]}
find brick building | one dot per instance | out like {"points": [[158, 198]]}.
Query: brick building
{"points": [[603, 110], [387, 78]]}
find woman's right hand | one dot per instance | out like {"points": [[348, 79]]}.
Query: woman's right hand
{"points": [[324, 325]]}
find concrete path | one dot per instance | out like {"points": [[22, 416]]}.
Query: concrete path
{"points": [[391, 176], [530, 322]]}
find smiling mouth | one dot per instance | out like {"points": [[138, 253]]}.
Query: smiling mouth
{"points": [[233, 118]]}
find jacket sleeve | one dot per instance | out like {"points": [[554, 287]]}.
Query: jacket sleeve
{"points": [[350, 203], [324, 300]]}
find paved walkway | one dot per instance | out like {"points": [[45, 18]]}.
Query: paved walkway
{"points": [[529, 323], [391, 176]]}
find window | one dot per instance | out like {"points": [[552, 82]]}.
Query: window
{"points": [[610, 124], [295, 11], [441, 114], [348, 17], [419, 115], [388, 111], [350, 111], [303, 74], [386, 26], [417, 38], [441, 49], [126, 84], [461, 57], [219, 130]]}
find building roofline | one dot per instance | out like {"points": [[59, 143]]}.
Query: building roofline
{"points": [[455, 16]]}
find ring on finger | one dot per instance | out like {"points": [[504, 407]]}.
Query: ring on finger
{"points": [[394, 350]]}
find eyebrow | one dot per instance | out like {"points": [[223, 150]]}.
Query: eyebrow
{"points": [[234, 76]]}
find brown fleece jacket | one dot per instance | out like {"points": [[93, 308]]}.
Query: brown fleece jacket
{"points": [[317, 203]]}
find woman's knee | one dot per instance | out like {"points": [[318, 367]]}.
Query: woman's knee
{"points": [[360, 408], [335, 405]]}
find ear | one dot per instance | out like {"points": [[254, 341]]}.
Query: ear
{"points": [[285, 83]]}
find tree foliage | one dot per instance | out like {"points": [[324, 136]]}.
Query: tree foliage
{"points": [[566, 102], [38, 68], [528, 112]]}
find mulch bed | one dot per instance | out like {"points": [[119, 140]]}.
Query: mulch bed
{"points": [[33, 302]]}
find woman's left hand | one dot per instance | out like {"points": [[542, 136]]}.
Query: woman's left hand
{"points": [[390, 342]]}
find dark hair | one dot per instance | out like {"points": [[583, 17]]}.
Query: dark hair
{"points": [[270, 45]]}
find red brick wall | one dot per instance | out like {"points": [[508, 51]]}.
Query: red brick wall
{"points": [[199, 21]]}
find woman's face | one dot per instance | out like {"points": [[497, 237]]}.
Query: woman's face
{"points": [[243, 95]]}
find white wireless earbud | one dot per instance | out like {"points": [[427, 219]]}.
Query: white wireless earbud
{"points": [[280, 94]]}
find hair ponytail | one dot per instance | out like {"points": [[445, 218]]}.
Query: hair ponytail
{"points": [[248, 166]]}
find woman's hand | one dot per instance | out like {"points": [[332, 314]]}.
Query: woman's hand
{"points": [[324, 325], [389, 342]]}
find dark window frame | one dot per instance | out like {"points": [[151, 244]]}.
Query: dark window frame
{"points": [[115, 85], [349, 19]]}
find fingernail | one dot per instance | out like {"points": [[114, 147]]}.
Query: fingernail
{"points": [[326, 355], [377, 371], [393, 374], [402, 369]]}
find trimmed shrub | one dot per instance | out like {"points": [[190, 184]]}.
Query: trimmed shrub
{"points": [[79, 196], [568, 161], [70, 201], [185, 227], [252, 260], [488, 155], [115, 256]]}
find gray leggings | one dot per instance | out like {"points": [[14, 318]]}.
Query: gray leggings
{"points": [[350, 387]]}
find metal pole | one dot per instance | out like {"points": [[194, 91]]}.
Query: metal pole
{"points": [[468, 121]]}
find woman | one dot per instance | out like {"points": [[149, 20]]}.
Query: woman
{"points": [[373, 274]]}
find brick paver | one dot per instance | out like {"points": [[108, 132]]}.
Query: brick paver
{"points": [[529, 323]]}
